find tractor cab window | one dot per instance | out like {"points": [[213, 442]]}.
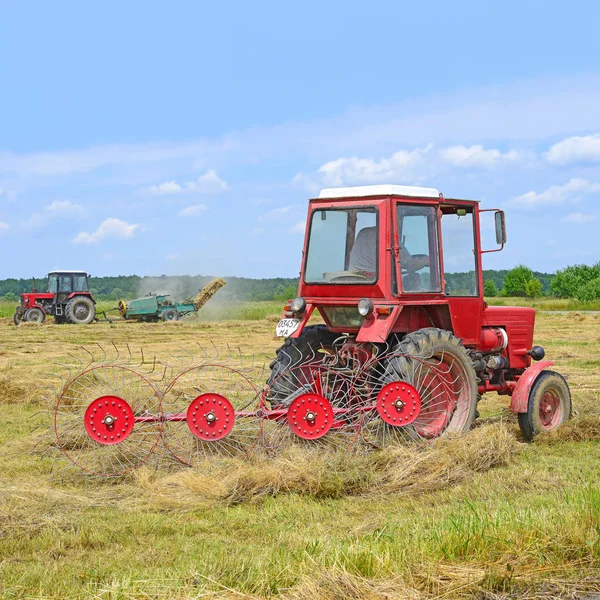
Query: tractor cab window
{"points": [[53, 284], [65, 284], [342, 246], [458, 242], [80, 283], [419, 253]]}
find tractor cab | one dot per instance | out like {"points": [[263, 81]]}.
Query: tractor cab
{"points": [[64, 283]]}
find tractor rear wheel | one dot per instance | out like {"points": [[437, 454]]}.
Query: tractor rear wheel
{"points": [[34, 315], [441, 395], [80, 310], [306, 349], [549, 405]]}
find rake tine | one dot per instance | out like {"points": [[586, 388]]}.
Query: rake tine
{"points": [[104, 356]]}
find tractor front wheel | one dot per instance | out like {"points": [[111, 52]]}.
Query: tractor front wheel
{"points": [[34, 315], [17, 317], [549, 405], [80, 310]]}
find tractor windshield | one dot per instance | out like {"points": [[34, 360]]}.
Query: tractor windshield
{"points": [[342, 246]]}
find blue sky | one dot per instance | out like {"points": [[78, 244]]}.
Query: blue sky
{"points": [[186, 137]]}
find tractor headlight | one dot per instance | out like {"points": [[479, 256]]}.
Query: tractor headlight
{"points": [[298, 305], [365, 307]]}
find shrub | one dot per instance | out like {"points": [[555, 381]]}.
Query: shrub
{"points": [[568, 282], [533, 288], [589, 292], [489, 289], [515, 282]]}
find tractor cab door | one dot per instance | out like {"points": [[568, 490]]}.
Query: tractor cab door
{"points": [[462, 269], [65, 287]]}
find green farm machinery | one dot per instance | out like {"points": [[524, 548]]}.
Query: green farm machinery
{"points": [[156, 307]]}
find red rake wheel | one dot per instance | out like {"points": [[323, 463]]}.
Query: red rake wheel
{"points": [[442, 382], [331, 424], [210, 411], [398, 404], [107, 420], [211, 417], [310, 416]]}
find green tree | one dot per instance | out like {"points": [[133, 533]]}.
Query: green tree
{"points": [[568, 282], [533, 288], [10, 297], [490, 290], [590, 291], [515, 282]]}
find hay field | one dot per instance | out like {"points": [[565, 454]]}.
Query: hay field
{"points": [[480, 516]]}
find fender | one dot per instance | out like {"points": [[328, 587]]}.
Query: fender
{"points": [[377, 327], [520, 396]]}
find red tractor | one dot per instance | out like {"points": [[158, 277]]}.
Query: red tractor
{"points": [[395, 272], [68, 300]]}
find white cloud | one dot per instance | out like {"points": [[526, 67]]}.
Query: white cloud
{"points": [[58, 208], [556, 195], [111, 228], [305, 182], [274, 215], [193, 211], [65, 207], [257, 231], [399, 167], [575, 150], [477, 156], [4, 227], [168, 187], [299, 227], [209, 183], [579, 218]]}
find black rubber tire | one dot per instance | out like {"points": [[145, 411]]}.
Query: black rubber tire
{"points": [[17, 318], [60, 319], [80, 310], [439, 343], [170, 315], [34, 315], [530, 422], [295, 352]]}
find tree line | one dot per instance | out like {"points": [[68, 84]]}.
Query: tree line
{"points": [[581, 282]]}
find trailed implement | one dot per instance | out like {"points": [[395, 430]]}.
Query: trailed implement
{"points": [[153, 308]]}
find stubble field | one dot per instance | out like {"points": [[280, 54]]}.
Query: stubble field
{"points": [[482, 515]]}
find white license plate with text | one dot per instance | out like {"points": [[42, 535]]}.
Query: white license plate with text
{"points": [[286, 327]]}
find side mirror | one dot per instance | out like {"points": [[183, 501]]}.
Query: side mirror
{"points": [[500, 227]]}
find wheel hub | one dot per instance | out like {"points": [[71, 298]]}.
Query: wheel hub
{"points": [[310, 416], [549, 410], [109, 420], [398, 403], [210, 417]]}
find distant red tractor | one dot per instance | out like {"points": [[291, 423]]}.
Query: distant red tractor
{"points": [[396, 274], [68, 300]]}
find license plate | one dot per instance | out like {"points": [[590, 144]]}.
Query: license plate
{"points": [[286, 327]]}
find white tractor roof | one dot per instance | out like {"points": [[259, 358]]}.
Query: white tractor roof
{"points": [[59, 272], [379, 190]]}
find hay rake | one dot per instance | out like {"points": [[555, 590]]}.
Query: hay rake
{"points": [[113, 411]]}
